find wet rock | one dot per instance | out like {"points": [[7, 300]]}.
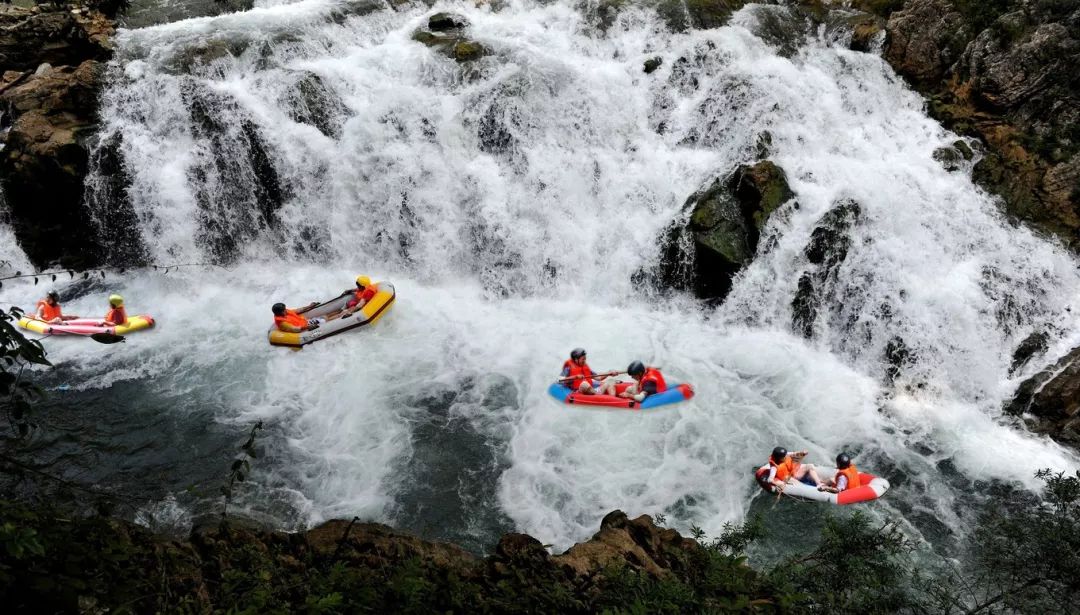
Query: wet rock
{"points": [[1033, 345], [830, 239], [652, 64], [444, 22], [705, 14], [726, 220], [312, 102], [804, 306], [828, 247], [867, 32], [1050, 400], [447, 33]]}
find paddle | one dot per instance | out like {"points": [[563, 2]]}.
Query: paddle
{"points": [[569, 378], [106, 338]]}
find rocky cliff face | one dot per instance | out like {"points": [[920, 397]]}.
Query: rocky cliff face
{"points": [[1004, 72], [51, 62]]}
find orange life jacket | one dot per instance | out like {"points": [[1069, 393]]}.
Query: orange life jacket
{"points": [[117, 316], [853, 480], [367, 293], [581, 373], [785, 469], [653, 375], [292, 318], [48, 312]]}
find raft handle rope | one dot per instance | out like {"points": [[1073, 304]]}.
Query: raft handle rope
{"points": [[95, 271]]}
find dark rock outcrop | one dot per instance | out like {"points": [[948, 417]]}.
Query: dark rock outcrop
{"points": [[1050, 400], [828, 247], [52, 110], [1004, 72], [725, 225], [57, 36]]}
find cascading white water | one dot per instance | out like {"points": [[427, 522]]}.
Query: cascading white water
{"points": [[511, 201]]}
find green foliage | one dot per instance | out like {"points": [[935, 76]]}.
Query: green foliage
{"points": [[16, 352], [858, 567], [1027, 559], [240, 468]]}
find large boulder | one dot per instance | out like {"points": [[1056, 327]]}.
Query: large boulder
{"points": [[925, 39], [53, 60], [725, 224], [1050, 400], [45, 160]]}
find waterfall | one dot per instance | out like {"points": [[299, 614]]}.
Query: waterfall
{"points": [[516, 201]]}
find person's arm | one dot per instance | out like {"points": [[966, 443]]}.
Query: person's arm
{"points": [[306, 308], [775, 482]]}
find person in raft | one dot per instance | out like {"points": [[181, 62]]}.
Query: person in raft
{"points": [[291, 321], [117, 314], [364, 292], [48, 309], [647, 381], [846, 477], [784, 467], [577, 374]]}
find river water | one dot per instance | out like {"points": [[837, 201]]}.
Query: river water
{"points": [[513, 202]]}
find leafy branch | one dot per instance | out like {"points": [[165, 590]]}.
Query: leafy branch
{"points": [[240, 468]]}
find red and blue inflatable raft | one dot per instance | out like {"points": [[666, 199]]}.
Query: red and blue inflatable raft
{"points": [[674, 394]]}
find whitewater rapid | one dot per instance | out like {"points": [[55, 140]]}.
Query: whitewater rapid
{"points": [[512, 204]]}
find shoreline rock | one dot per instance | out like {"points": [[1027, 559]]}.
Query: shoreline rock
{"points": [[347, 565]]}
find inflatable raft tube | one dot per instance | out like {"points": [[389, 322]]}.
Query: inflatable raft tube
{"points": [[86, 326], [873, 487], [371, 312], [674, 394]]}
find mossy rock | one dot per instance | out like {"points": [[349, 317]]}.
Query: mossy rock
{"points": [[468, 51], [652, 64]]}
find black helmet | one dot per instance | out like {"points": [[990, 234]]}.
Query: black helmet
{"points": [[636, 368], [577, 353], [843, 461], [779, 453], [279, 309], [54, 296]]}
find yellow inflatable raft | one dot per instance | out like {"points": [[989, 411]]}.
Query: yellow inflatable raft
{"points": [[371, 312], [86, 326]]}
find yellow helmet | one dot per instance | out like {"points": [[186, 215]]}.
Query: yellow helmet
{"points": [[116, 300], [363, 280]]}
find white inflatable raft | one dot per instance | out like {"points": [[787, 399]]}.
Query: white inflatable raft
{"points": [[872, 488]]}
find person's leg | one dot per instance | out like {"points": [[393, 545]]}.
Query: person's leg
{"points": [[586, 388], [629, 392], [804, 470], [608, 386]]}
